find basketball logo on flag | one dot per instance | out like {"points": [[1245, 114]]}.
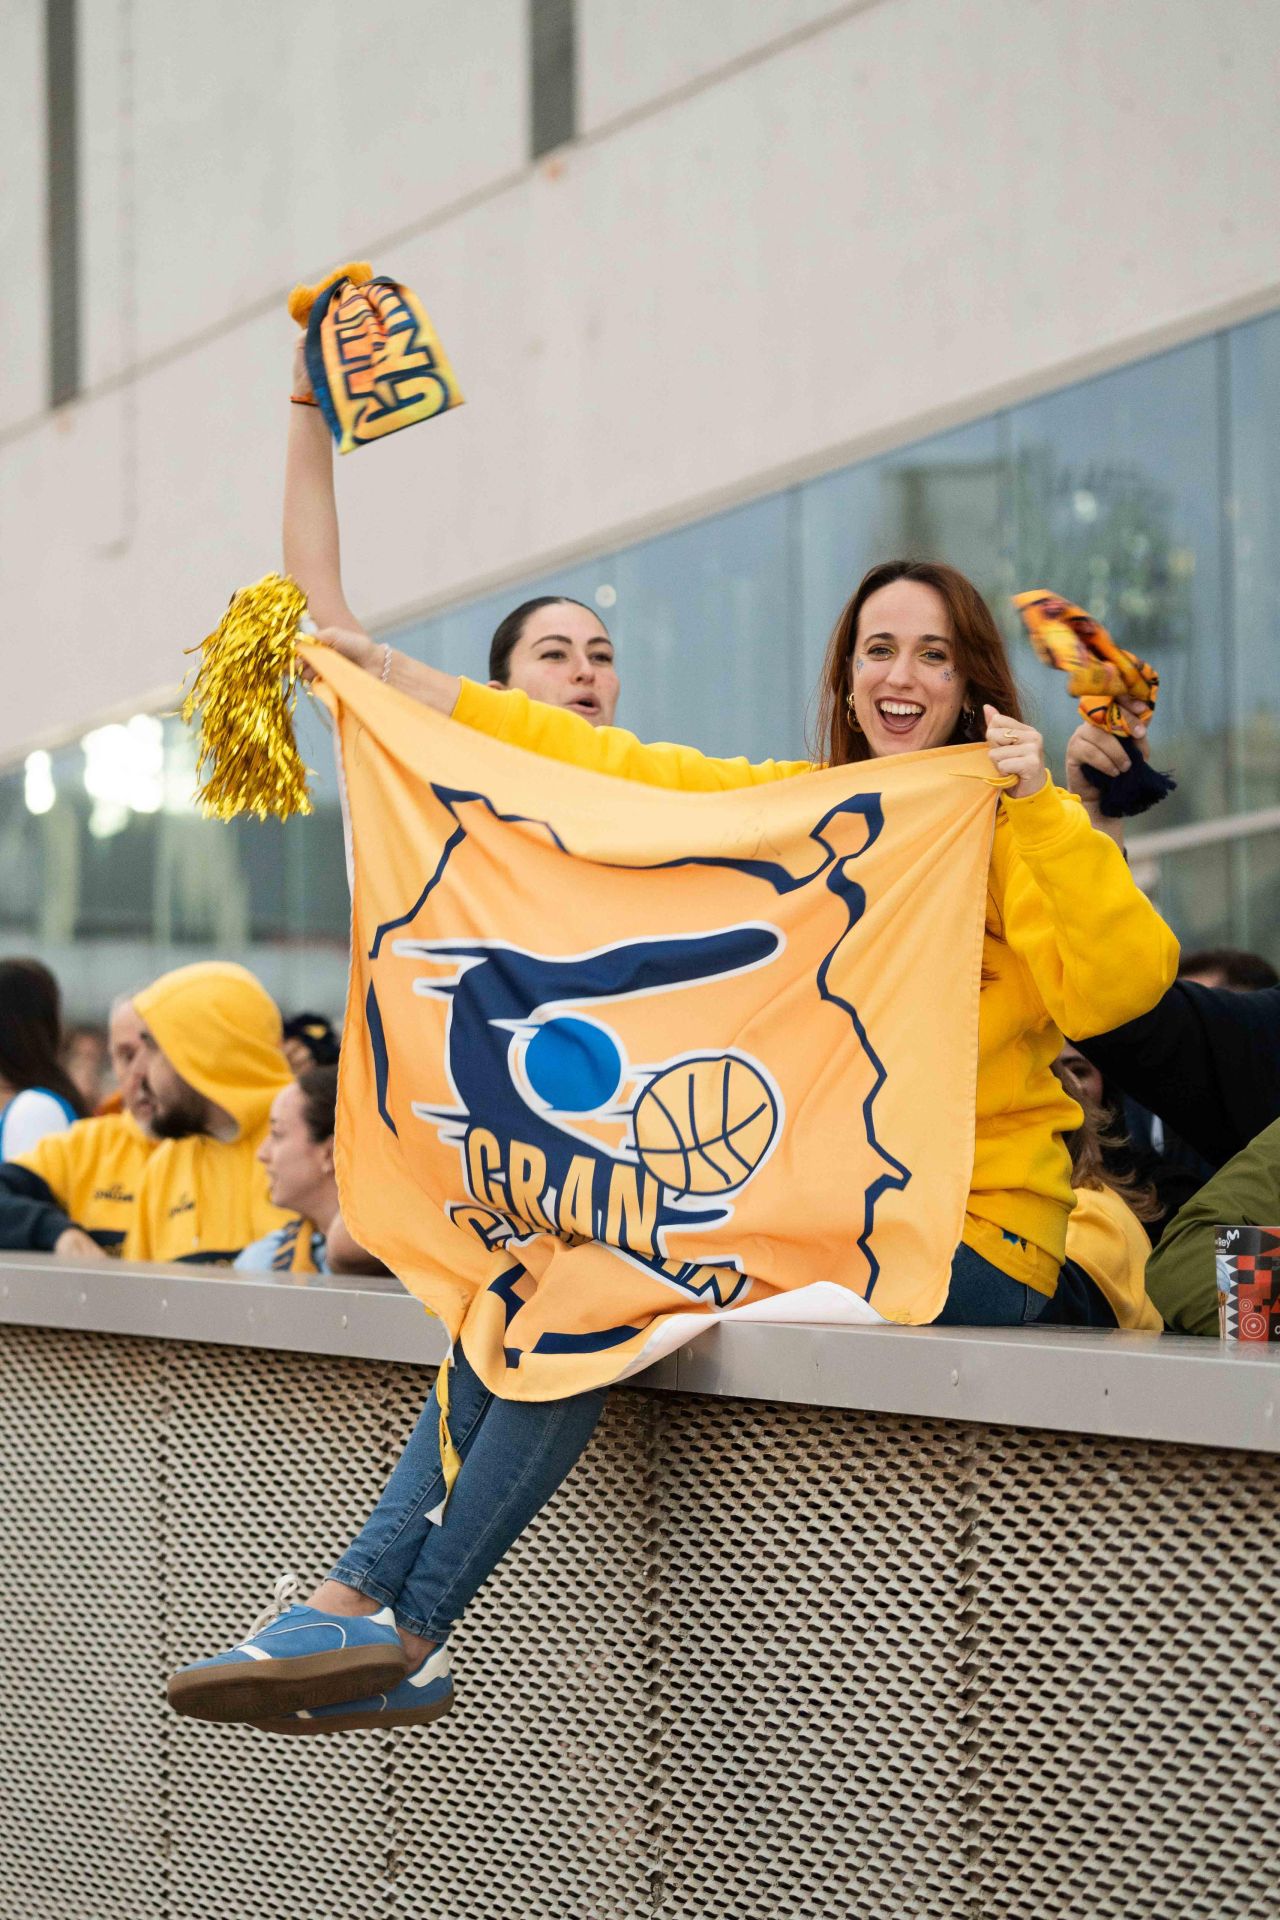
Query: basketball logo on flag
{"points": [[706, 1124], [559, 1132]]}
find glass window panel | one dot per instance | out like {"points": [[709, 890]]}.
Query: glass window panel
{"points": [[1256, 919], [1253, 517], [942, 499], [115, 877], [1116, 505], [706, 622], [21, 862], [1194, 891]]}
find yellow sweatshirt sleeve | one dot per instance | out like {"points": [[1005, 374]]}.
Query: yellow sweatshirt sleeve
{"points": [[1097, 950], [510, 715]]}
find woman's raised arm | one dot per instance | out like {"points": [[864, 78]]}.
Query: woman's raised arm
{"points": [[422, 683], [312, 553]]}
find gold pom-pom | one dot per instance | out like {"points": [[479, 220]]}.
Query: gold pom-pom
{"points": [[245, 692], [302, 299]]}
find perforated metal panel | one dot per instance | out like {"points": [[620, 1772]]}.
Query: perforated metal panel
{"points": [[751, 1661], [82, 1752]]}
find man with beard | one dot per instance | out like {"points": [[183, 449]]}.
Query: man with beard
{"points": [[75, 1192], [212, 1064]]}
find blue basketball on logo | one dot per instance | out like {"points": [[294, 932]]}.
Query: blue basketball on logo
{"points": [[573, 1065]]}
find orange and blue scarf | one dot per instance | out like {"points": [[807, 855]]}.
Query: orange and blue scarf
{"points": [[375, 360], [1100, 675]]}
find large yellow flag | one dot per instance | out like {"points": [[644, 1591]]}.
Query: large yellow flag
{"points": [[618, 1060]]}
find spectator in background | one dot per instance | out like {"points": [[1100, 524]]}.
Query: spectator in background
{"points": [[1205, 1061], [310, 1040], [37, 1096], [1128, 1137], [75, 1192], [1103, 1275], [298, 1156], [85, 1055], [212, 1064], [1161, 1154], [1228, 967], [1181, 1278]]}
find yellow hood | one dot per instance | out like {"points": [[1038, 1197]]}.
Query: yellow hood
{"points": [[220, 1029]]}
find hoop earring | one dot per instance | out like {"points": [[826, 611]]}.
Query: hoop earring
{"points": [[854, 722]]}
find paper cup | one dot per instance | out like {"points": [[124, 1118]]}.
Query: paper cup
{"points": [[1248, 1264]]}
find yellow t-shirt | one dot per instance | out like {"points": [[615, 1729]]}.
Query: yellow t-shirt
{"points": [[94, 1172], [1072, 946]]}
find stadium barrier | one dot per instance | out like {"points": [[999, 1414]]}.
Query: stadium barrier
{"points": [[856, 1622]]}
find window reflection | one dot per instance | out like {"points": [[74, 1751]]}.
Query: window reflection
{"points": [[1251, 511], [1115, 500]]}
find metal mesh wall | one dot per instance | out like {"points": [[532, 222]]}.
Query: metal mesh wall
{"points": [[752, 1660]]}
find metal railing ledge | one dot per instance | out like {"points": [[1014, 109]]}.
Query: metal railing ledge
{"points": [[1167, 1387]]}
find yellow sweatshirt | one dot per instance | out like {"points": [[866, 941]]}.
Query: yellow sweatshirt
{"points": [[1107, 1239], [93, 1172], [203, 1200], [1072, 946]]}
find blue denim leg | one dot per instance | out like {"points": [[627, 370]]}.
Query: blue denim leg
{"points": [[982, 1296], [391, 1539], [514, 1453]]}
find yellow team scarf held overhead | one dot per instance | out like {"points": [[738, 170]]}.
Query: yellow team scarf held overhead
{"points": [[373, 357], [617, 1063]]}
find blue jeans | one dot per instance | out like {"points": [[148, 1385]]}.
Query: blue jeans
{"points": [[982, 1296], [515, 1454]]}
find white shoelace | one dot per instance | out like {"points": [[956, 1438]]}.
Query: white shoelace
{"points": [[286, 1592]]}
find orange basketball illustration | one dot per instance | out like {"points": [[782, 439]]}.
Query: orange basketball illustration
{"points": [[705, 1125]]}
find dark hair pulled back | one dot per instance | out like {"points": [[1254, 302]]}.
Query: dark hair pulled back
{"points": [[509, 631], [319, 1089]]}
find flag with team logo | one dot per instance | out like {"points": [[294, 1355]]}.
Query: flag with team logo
{"points": [[620, 1060]]}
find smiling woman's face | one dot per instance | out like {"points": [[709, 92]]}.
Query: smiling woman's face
{"points": [[565, 657], [906, 686]]}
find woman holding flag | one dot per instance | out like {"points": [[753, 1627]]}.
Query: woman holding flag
{"points": [[1070, 945]]}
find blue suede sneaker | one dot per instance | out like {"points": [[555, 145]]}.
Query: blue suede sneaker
{"points": [[418, 1698], [294, 1658]]}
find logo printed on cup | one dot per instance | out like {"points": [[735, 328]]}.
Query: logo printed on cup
{"points": [[1248, 1269]]}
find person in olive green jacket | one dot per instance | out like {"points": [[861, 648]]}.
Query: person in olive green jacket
{"points": [[1181, 1277]]}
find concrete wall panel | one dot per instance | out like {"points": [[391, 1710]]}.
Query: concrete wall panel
{"points": [[269, 143], [630, 57], [897, 221]]}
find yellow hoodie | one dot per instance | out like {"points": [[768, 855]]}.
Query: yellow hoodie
{"points": [[1072, 946], [203, 1200]]}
